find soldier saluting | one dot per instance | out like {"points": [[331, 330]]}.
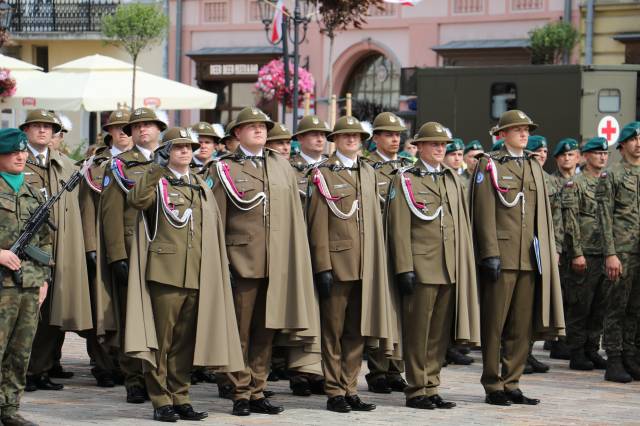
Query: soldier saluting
{"points": [[515, 250]]}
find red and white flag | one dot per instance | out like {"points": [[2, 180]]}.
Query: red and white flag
{"points": [[403, 2], [276, 29]]}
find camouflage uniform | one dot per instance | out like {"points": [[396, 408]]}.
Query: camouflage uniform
{"points": [[18, 306], [620, 215]]}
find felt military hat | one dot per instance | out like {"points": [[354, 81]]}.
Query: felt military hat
{"points": [[456, 145], [595, 144], [56, 117], [535, 142], [141, 115], [107, 140], [388, 122], [205, 129], [565, 145], [628, 131], [119, 117], [474, 145], [279, 132], [42, 116], [312, 123], [180, 135], [512, 118], [12, 140], [227, 133], [251, 115], [497, 146], [432, 132], [348, 124]]}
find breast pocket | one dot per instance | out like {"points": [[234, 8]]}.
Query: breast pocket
{"points": [[626, 196], [340, 245], [163, 248], [588, 204], [7, 205]]}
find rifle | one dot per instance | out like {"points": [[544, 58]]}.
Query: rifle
{"points": [[39, 217]]}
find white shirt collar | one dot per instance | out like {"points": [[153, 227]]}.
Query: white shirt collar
{"points": [[35, 152], [179, 175], [511, 153], [384, 157], [347, 162], [197, 161], [429, 167], [115, 151], [250, 154], [146, 152], [308, 159]]}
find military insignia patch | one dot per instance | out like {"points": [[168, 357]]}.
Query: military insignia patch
{"points": [[479, 177], [44, 113], [254, 111], [350, 121], [119, 114], [201, 126], [183, 133], [569, 184], [106, 181], [522, 115], [284, 129], [209, 182], [392, 119], [392, 194], [603, 174], [315, 121], [137, 112]]}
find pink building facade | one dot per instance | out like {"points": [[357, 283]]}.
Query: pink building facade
{"points": [[224, 42]]}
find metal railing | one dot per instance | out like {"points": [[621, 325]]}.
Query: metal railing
{"points": [[37, 16]]}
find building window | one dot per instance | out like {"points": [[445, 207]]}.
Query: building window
{"points": [[609, 100], [216, 11], [376, 80], [254, 11], [386, 11], [524, 5], [41, 57], [468, 6], [504, 97]]}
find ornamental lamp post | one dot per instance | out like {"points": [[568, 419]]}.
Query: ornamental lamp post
{"points": [[302, 17], [6, 14]]}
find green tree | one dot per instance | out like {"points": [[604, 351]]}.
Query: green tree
{"points": [[135, 27], [550, 42]]}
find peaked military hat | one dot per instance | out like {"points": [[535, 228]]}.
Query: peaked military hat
{"points": [[348, 124], [595, 144], [251, 115], [535, 142], [279, 132], [205, 129], [628, 131], [565, 145], [119, 117], [12, 140], [227, 133], [180, 135], [42, 116], [312, 123], [512, 118], [474, 145], [456, 145], [141, 115], [389, 122], [432, 132]]}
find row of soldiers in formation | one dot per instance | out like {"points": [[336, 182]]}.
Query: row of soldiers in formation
{"points": [[193, 261]]}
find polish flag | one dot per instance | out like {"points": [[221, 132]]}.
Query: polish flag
{"points": [[276, 29], [403, 2]]}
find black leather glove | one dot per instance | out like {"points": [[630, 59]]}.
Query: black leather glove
{"points": [[324, 281], [92, 262], [120, 270], [490, 269], [161, 155], [406, 282]]}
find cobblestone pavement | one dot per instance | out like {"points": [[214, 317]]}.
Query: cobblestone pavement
{"points": [[568, 398]]}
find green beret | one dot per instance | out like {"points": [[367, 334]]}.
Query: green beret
{"points": [[595, 144], [498, 145], [630, 130], [455, 145], [536, 142], [12, 140], [474, 145], [565, 145]]}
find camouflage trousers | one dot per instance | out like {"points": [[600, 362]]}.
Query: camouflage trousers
{"points": [[19, 319], [586, 303], [623, 308]]}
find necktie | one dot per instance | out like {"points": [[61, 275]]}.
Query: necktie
{"points": [[41, 159], [185, 178]]}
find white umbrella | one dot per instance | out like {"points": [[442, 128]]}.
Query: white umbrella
{"points": [[22, 72], [100, 83]]}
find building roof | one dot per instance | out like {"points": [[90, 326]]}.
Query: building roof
{"points": [[248, 50], [484, 44], [625, 37]]}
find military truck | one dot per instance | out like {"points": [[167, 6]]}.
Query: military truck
{"points": [[565, 100]]}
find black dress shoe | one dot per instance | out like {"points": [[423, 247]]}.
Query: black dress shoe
{"points": [[57, 372], [225, 391], [273, 376], [16, 420], [379, 385], [186, 412], [300, 387], [136, 395], [317, 386], [441, 403], [268, 393], [358, 405], [536, 365], [338, 404], [397, 383], [455, 357], [497, 398], [420, 402], [599, 363], [264, 406], [31, 384], [517, 397], [241, 407], [44, 383], [105, 381], [165, 414]]}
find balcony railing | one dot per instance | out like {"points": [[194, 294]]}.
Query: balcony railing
{"points": [[68, 16]]}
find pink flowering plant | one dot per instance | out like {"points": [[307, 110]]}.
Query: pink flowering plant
{"points": [[271, 85], [7, 83]]}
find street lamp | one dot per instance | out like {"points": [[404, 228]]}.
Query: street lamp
{"points": [[300, 16], [6, 13]]}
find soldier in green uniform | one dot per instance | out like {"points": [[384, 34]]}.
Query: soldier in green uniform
{"points": [[471, 151], [586, 288], [454, 157], [208, 138], [118, 225], [385, 375], [515, 249], [497, 145], [19, 302], [279, 140], [432, 255], [619, 200]]}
